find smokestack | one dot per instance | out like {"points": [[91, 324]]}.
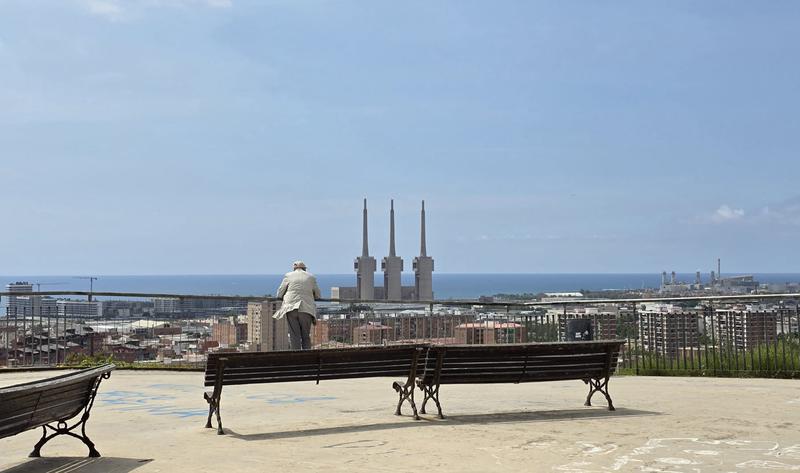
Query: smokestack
{"points": [[391, 230], [365, 247], [422, 249], [719, 270]]}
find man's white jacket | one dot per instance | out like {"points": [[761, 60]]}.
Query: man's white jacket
{"points": [[298, 290]]}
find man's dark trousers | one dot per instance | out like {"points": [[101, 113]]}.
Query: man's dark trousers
{"points": [[299, 329]]}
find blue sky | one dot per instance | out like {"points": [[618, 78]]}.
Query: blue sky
{"points": [[191, 136]]}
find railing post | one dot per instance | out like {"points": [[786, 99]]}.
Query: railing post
{"points": [[713, 337], [794, 337], [506, 330], [705, 340], [636, 339], [783, 339], [25, 336]]}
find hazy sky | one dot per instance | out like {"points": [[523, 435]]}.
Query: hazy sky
{"points": [[214, 136]]}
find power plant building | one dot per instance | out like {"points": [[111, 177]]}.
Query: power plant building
{"points": [[392, 267]]}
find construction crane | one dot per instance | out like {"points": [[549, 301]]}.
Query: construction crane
{"points": [[91, 279], [40, 284]]}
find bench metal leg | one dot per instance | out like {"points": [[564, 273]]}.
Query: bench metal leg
{"points": [[213, 408], [214, 398], [210, 413], [430, 392], [406, 393], [595, 385], [62, 429], [219, 422]]}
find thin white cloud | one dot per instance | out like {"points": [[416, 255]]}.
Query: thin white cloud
{"points": [[727, 214], [539, 237], [188, 3], [786, 212], [117, 10], [108, 9], [220, 3], [782, 213]]}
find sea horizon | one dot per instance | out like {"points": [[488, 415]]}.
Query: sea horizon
{"points": [[446, 285]]}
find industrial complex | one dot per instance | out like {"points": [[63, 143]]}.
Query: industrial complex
{"points": [[392, 267]]}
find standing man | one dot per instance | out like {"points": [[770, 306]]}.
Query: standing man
{"points": [[298, 290]]}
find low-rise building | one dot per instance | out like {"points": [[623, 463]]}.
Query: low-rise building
{"points": [[229, 331], [372, 333], [489, 333], [79, 309]]}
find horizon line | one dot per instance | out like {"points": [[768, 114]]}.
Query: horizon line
{"points": [[377, 273]]}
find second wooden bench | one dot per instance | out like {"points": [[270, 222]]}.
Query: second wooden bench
{"points": [[591, 362]]}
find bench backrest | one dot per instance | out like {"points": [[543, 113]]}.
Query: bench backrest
{"points": [[313, 365], [520, 363], [30, 405]]}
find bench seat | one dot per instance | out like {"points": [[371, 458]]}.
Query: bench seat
{"points": [[591, 362], [230, 369], [51, 401]]}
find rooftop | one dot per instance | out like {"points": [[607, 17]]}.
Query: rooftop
{"points": [[150, 421]]}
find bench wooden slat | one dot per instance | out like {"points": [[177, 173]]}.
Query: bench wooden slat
{"points": [[297, 366], [532, 377], [322, 374], [560, 348], [391, 369], [519, 368], [298, 378], [8, 399]]}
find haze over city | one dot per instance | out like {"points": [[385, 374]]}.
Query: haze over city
{"points": [[207, 137]]}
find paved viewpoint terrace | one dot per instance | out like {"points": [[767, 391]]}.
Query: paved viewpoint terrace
{"points": [[152, 421]]}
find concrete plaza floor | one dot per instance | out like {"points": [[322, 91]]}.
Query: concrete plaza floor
{"points": [[152, 421]]}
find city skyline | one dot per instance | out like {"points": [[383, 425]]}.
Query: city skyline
{"points": [[234, 137]]}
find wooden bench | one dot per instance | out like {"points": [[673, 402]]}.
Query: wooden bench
{"points": [[50, 404], [224, 369], [591, 362]]}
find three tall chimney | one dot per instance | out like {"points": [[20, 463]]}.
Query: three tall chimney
{"points": [[392, 266], [365, 266], [423, 266]]}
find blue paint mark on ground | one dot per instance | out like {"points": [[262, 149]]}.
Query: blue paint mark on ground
{"points": [[186, 388], [127, 401], [288, 398]]}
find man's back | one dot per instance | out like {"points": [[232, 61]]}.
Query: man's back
{"points": [[298, 290]]}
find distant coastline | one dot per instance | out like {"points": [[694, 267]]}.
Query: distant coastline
{"points": [[445, 285]]}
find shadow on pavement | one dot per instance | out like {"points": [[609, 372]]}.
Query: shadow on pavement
{"points": [[493, 418], [78, 465]]}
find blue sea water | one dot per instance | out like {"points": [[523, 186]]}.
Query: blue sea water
{"points": [[446, 286]]}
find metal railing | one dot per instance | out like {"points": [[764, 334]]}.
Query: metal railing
{"points": [[710, 336]]}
